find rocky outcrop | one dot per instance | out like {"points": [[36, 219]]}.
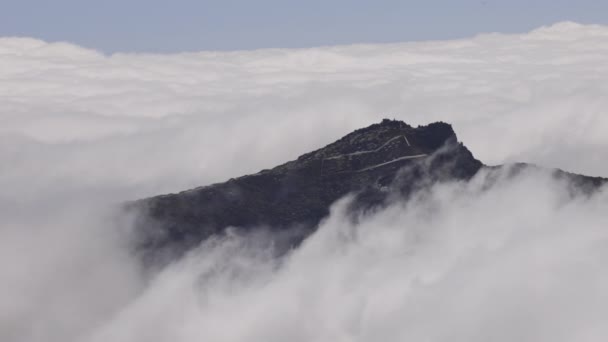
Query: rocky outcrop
{"points": [[374, 164]]}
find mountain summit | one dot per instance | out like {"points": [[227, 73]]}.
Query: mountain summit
{"points": [[374, 164]]}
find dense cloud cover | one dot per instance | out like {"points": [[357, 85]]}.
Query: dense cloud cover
{"points": [[81, 132]]}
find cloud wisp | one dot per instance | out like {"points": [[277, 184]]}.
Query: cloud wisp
{"points": [[81, 132]]}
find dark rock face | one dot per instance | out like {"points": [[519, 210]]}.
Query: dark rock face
{"points": [[382, 160]]}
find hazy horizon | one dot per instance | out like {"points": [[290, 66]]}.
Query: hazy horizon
{"points": [[188, 25], [312, 47]]}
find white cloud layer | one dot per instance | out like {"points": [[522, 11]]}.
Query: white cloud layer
{"points": [[455, 265], [80, 131]]}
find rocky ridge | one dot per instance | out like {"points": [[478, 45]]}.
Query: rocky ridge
{"points": [[374, 164]]}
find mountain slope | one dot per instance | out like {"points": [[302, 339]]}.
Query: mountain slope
{"points": [[375, 163]]}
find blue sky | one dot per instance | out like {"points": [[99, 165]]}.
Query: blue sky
{"points": [[189, 25]]}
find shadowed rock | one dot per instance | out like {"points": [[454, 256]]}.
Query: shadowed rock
{"points": [[374, 163]]}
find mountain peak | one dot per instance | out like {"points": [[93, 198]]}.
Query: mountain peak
{"points": [[365, 162], [375, 164], [388, 133]]}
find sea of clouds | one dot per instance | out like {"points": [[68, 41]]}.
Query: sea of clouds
{"points": [[82, 132]]}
